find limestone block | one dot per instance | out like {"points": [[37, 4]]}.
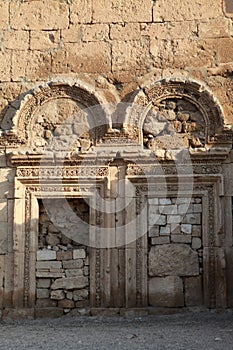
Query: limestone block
{"points": [[197, 208], [153, 201], [3, 210], [216, 28], [153, 209], [182, 200], [46, 254], [64, 255], [173, 259], [181, 238], [175, 229], [169, 209], [165, 201], [173, 219], [52, 239], [43, 283], [166, 292], [196, 230], [108, 11], [65, 303], [3, 237], [192, 219], [196, 243], [95, 32], [70, 283], [186, 228], [81, 11], [165, 230], [74, 272], [125, 31], [4, 15], [160, 240], [72, 35], [225, 50], [193, 291], [157, 219], [183, 208], [57, 294], [86, 271], [79, 254], [166, 10], [49, 274], [133, 54], [80, 294], [88, 57], [42, 303], [42, 293], [16, 40], [39, 15], [44, 40], [46, 265], [30, 64], [154, 231], [73, 264], [5, 65]]}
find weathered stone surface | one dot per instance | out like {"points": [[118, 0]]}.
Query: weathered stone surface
{"points": [[42, 293], [176, 238], [80, 294], [186, 228], [160, 240], [125, 31], [43, 283], [44, 40], [65, 303], [218, 27], [64, 255], [81, 11], [112, 11], [5, 65], [79, 254], [4, 15], [173, 259], [196, 243], [74, 272], [16, 40], [193, 291], [47, 265], [3, 237], [70, 283], [46, 254], [73, 264], [57, 294], [196, 230], [39, 15], [166, 292], [95, 32]]}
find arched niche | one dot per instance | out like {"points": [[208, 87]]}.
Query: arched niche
{"points": [[174, 114], [58, 110]]}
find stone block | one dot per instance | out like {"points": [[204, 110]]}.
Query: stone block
{"points": [[193, 291], [108, 11], [39, 15], [165, 201], [4, 15], [153, 209], [16, 40], [125, 31], [186, 229], [95, 32], [168, 209], [154, 231], [72, 35], [79, 254], [52, 239], [192, 219], [57, 294], [64, 255], [196, 243], [86, 271], [196, 230], [73, 264], [5, 65], [166, 292], [66, 303], [173, 219], [80, 294], [165, 230], [166, 10], [215, 28], [160, 240], [70, 283], [42, 293], [49, 274], [183, 208], [43, 303], [74, 272], [153, 201], [3, 237], [46, 255], [81, 11], [44, 40], [175, 229], [173, 259], [156, 219], [225, 50], [181, 238], [183, 200], [43, 283], [47, 265]]}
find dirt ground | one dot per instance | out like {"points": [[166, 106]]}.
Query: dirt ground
{"points": [[205, 330]]}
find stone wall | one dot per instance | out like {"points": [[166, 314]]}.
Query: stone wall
{"points": [[106, 52]]}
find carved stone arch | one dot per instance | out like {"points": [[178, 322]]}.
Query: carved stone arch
{"points": [[204, 114], [76, 99]]}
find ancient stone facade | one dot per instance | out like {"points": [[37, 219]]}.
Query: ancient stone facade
{"points": [[115, 156]]}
